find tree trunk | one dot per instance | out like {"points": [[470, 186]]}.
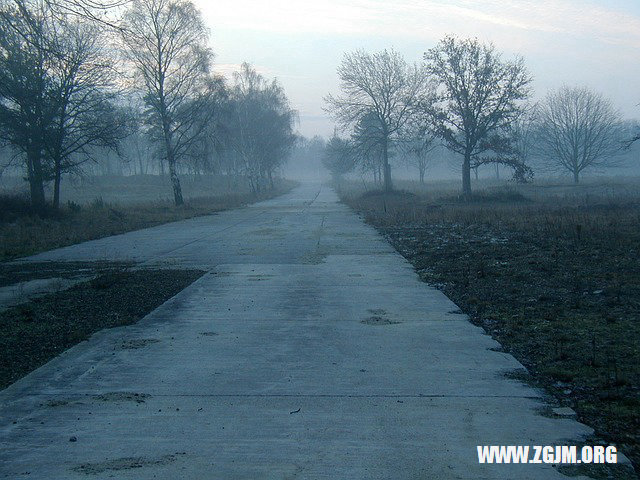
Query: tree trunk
{"points": [[576, 177], [36, 180], [497, 171], [466, 176], [171, 162], [387, 168], [175, 182], [422, 176], [56, 186]]}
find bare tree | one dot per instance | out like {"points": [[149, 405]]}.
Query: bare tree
{"points": [[92, 10], [166, 41], [86, 116], [524, 130], [579, 129], [260, 129], [40, 73], [633, 134], [477, 98], [25, 113], [367, 146], [382, 85], [208, 154], [417, 142], [338, 157]]}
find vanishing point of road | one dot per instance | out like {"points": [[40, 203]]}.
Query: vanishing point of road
{"points": [[310, 349]]}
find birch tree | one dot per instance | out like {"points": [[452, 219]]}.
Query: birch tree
{"points": [[166, 42]]}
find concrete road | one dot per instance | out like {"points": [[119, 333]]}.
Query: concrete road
{"points": [[309, 350]]}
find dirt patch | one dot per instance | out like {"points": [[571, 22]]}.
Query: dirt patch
{"points": [[376, 320], [13, 273], [378, 317], [57, 403], [33, 333], [125, 463], [122, 397], [313, 258], [258, 277], [138, 343]]}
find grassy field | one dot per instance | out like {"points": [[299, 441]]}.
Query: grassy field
{"points": [[550, 270], [109, 206]]}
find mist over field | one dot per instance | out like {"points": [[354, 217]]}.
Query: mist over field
{"points": [[320, 238]]}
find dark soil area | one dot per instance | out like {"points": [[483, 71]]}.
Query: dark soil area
{"points": [[558, 285], [12, 273], [34, 332]]}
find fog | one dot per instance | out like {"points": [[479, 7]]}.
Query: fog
{"points": [[563, 42], [349, 239]]}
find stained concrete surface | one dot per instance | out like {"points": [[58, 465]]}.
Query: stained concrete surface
{"points": [[309, 350]]}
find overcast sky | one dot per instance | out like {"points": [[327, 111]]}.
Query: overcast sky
{"points": [[574, 42]]}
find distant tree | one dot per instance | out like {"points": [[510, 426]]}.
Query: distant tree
{"points": [[417, 143], [631, 134], [204, 155], [260, 130], [579, 129], [380, 85], [367, 146], [338, 157], [634, 136], [166, 42], [523, 131], [477, 98], [306, 158]]}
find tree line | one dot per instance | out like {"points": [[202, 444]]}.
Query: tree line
{"points": [[466, 97], [80, 80]]}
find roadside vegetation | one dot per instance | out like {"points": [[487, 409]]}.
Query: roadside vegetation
{"points": [[24, 231], [129, 88], [551, 271]]}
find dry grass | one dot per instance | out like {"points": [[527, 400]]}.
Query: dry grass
{"points": [[24, 233], [554, 277]]}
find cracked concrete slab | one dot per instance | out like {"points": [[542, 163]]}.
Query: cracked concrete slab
{"points": [[270, 367]]}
